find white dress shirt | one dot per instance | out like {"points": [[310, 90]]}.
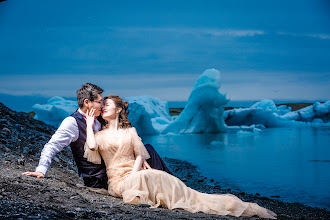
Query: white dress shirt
{"points": [[67, 132]]}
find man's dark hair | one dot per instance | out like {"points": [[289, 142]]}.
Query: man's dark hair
{"points": [[87, 91]]}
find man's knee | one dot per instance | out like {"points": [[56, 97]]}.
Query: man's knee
{"points": [[95, 182], [149, 147]]}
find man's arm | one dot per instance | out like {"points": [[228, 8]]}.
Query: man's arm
{"points": [[65, 134]]}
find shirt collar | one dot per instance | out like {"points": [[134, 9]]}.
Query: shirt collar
{"points": [[82, 113]]}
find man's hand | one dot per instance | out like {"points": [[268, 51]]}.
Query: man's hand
{"points": [[34, 174]]}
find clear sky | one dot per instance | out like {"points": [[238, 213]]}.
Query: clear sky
{"points": [[263, 49]]}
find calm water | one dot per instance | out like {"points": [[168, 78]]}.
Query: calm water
{"points": [[293, 163]]}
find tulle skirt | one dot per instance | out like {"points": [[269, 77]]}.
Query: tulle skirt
{"points": [[158, 188]]}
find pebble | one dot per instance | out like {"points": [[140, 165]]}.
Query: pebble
{"points": [[25, 150], [56, 159], [6, 130], [79, 209], [144, 205], [74, 197], [70, 214], [21, 162]]}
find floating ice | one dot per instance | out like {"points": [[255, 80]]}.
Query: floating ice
{"points": [[148, 115], [204, 109], [308, 114], [203, 112], [266, 113], [56, 109], [266, 104]]}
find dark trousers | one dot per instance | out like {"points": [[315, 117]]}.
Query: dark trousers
{"points": [[155, 161], [96, 182]]}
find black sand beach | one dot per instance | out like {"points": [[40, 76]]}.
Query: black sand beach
{"points": [[61, 194]]}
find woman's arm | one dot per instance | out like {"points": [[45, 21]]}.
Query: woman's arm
{"points": [[137, 164], [90, 139], [140, 152]]}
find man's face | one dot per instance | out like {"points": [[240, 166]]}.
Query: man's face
{"points": [[97, 104]]}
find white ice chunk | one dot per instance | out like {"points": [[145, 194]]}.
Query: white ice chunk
{"points": [[56, 109], [309, 113], [148, 115], [266, 104], [204, 110]]}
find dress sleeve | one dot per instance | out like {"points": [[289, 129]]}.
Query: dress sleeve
{"points": [[139, 148], [92, 156]]}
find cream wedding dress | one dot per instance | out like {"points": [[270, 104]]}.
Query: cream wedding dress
{"points": [[155, 187]]}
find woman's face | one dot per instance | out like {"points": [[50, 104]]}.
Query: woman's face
{"points": [[109, 109]]}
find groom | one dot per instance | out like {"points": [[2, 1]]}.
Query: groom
{"points": [[72, 131]]}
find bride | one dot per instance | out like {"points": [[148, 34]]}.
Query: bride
{"points": [[134, 181]]}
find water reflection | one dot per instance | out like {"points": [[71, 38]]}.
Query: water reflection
{"points": [[277, 161]]}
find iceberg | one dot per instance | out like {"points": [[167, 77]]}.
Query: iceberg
{"points": [[266, 113], [204, 110], [317, 112], [56, 109], [148, 115]]}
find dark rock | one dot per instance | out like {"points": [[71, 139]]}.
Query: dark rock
{"points": [[6, 130], [70, 214], [41, 138], [79, 209], [21, 162], [144, 205]]}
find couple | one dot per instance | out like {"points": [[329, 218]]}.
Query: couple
{"points": [[135, 172]]}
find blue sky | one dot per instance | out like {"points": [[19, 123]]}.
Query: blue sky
{"points": [[263, 49]]}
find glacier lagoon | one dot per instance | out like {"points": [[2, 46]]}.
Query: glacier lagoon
{"points": [[292, 163], [262, 149]]}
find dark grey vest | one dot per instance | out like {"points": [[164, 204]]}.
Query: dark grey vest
{"points": [[85, 168]]}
